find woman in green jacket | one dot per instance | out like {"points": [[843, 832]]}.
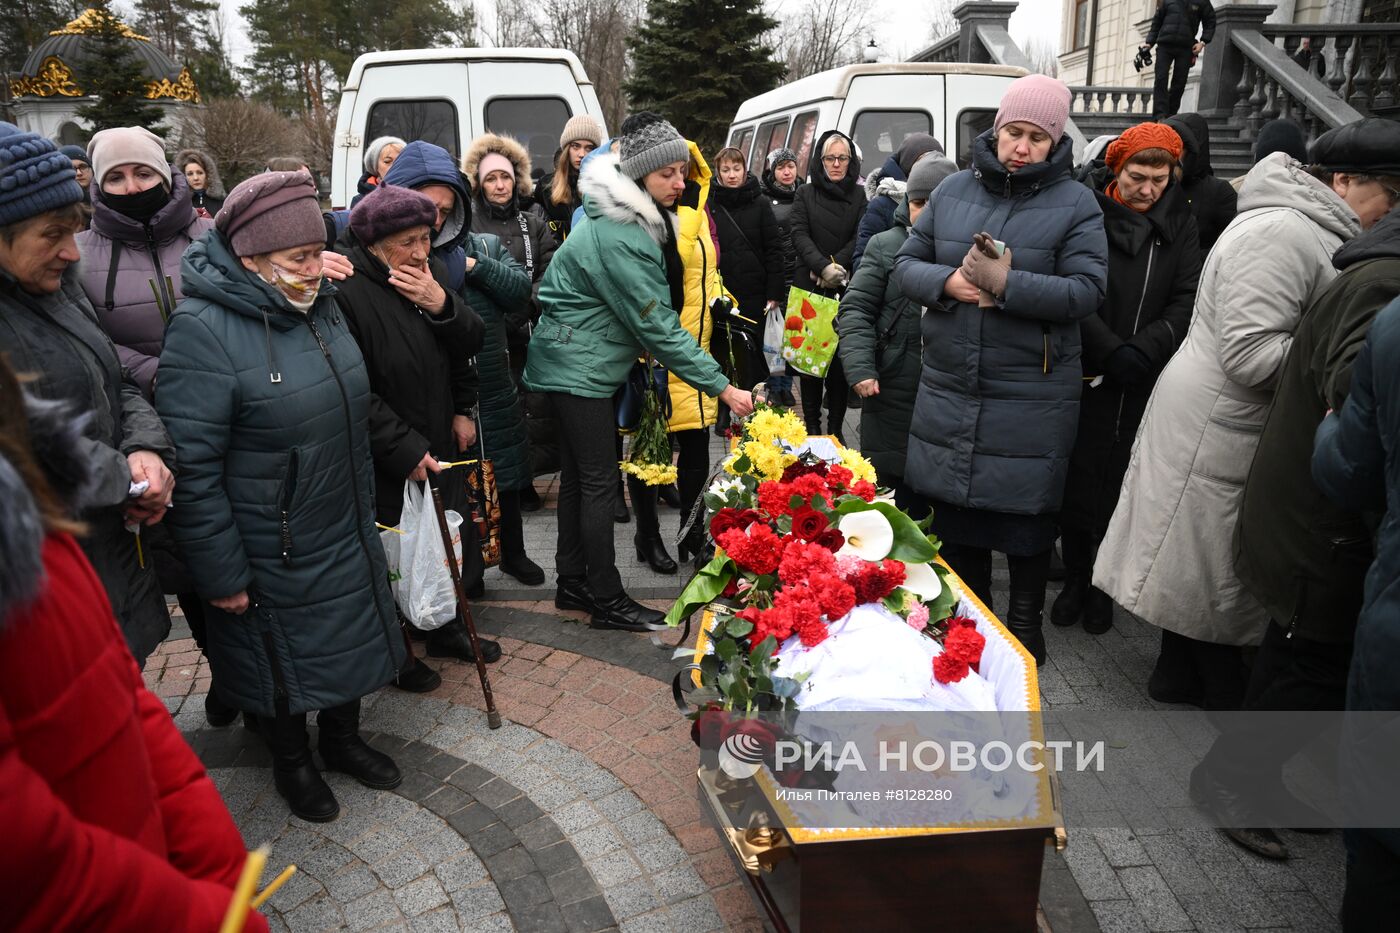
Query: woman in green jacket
{"points": [[611, 294]]}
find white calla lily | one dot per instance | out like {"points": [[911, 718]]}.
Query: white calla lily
{"points": [[868, 533], [922, 581]]}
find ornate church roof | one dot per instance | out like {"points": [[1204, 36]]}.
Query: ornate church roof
{"points": [[52, 68]]}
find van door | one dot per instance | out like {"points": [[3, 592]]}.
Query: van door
{"points": [[529, 100], [972, 107], [881, 110]]}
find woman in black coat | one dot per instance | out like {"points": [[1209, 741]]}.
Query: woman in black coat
{"points": [[780, 184], [751, 263], [825, 217], [1154, 263], [1212, 200]]}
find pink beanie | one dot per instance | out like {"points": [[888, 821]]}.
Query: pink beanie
{"points": [[494, 161], [1037, 99]]}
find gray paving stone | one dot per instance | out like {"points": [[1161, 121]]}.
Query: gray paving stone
{"points": [[588, 916], [576, 816], [1121, 848], [519, 812], [421, 896], [459, 873], [615, 867], [1091, 870], [441, 845], [399, 869], [1118, 917], [572, 885], [470, 777], [1154, 899], [559, 857], [539, 833], [678, 883], [1210, 913], [697, 915], [642, 827], [477, 901], [541, 918], [1178, 867], [659, 853], [514, 862], [325, 860], [595, 841], [416, 785], [447, 800], [351, 883], [524, 892], [378, 843], [491, 923], [553, 796], [597, 782], [442, 765], [296, 890], [471, 818], [496, 793], [315, 915], [443, 920], [630, 899], [658, 922], [492, 839], [372, 910], [618, 804]]}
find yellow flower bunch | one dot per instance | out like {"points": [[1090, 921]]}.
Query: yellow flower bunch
{"points": [[765, 434], [861, 468], [653, 474]]}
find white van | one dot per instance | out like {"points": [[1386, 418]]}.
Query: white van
{"points": [[877, 106], [450, 96]]}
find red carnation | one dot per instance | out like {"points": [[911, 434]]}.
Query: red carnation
{"points": [[773, 498], [965, 643], [756, 551], [800, 561], [808, 523], [865, 489], [834, 595], [876, 581], [810, 485], [948, 669], [838, 477]]}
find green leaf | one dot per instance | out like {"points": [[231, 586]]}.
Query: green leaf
{"points": [[709, 581], [941, 606], [726, 683], [726, 650], [910, 544], [786, 687], [743, 464], [763, 649], [713, 502], [763, 684], [737, 627], [709, 670], [796, 502]]}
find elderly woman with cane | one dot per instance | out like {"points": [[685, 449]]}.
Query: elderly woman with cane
{"points": [[268, 400]]}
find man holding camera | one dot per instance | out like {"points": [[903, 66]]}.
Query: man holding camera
{"points": [[1174, 33]]}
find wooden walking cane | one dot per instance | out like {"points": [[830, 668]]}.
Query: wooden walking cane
{"points": [[493, 715]]}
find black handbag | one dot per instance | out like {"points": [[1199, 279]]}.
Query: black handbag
{"points": [[644, 376]]}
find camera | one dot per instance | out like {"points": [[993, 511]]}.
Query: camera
{"points": [[1142, 59]]}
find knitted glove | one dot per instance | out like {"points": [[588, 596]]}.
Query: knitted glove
{"points": [[985, 272]]}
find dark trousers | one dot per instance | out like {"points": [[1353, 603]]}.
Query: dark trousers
{"points": [[286, 734], [834, 384], [692, 469], [1166, 95], [1216, 672], [1371, 901], [512, 525], [973, 565], [1289, 674], [588, 490]]}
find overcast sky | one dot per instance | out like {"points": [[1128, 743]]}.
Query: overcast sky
{"points": [[898, 31]]}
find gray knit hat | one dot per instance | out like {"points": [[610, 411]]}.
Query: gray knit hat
{"points": [[926, 174], [649, 143]]}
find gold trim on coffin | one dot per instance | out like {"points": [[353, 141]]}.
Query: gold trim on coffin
{"points": [[54, 79], [1048, 805]]}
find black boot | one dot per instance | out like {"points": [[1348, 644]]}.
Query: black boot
{"points": [[620, 514], [574, 593], [343, 750], [1077, 570], [650, 550], [1174, 677], [452, 641], [667, 495], [1098, 611], [1024, 618], [624, 612], [216, 711], [1228, 808], [295, 776], [974, 567], [692, 486], [417, 677], [523, 569], [530, 500], [1068, 607]]}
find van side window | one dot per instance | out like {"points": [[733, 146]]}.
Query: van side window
{"points": [[535, 122], [971, 124], [771, 135], [804, 130], [879, 133], [741, 139], [432, 120]]}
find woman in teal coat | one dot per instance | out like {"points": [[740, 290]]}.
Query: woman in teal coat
{"points": [[612, 293]]}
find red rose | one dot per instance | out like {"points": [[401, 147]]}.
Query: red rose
{"points": [[808, 523], [707, 731], [801, 468], [730, 519], [831, 539], [765, 734]]}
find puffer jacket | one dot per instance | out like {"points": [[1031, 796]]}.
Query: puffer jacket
{"points": [[781, 200], [1168, 555], [124, 266], [1213, 200], [1176, 21], [987, 374], [1356, 463], [1154, 266], [879, 330], [57, 340], [606, 298], [751, 248], [420, 376], [1300, 554], [269, 411], [693, 406], [111, 821], [826, 215]]}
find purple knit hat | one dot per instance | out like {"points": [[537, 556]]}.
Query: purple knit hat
{"points": [[1037, 99], [272, 211], [387, 210]]}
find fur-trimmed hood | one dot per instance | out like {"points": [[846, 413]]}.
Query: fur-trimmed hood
{"points": [[609, 194], [55, 436], [502, 145], [213, 184]]}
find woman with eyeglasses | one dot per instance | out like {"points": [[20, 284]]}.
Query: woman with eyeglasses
{"points": [[825, 217]]}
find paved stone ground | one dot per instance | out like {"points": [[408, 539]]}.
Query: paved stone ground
{"points": [[579, 814]]}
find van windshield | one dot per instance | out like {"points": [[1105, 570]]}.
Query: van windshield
{"points": [[879, 133], [432, 120], [534, 121]]}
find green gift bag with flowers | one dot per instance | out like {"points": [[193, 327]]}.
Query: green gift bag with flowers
{"points": [[809, 331]]}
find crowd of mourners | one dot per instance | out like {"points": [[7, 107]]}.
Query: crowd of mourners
{"points": [[224, 397]]}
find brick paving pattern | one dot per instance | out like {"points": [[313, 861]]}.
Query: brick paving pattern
{"points": [[580, 813]]}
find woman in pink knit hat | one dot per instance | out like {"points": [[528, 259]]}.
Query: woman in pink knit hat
{"points": [[1007, 258]]}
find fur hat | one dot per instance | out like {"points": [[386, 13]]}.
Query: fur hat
{"points": [[780, 155], [648, 143], [272, 211], [34, 176], [388, 210], [1036, 99], [128, 145], [500, 145], [581, 126]]}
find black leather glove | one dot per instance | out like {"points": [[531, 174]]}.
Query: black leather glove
{"points": [[1128, 367]]}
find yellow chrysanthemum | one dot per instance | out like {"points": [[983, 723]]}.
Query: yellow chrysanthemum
{"points": [[860, 467]]}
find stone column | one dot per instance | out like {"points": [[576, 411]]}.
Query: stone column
{"points": [[974, 14], [1222, 64]]}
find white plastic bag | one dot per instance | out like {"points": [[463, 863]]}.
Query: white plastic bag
{"points": [[418, 570], [773, 342]]}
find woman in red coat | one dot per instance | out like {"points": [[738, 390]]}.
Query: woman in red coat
{"points": [[110, 821]]}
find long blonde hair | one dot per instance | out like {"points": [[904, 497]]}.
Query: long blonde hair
{"points": [[562, 191]]}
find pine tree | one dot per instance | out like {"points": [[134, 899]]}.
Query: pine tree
{"points": [[114, 75], [694, 60]]}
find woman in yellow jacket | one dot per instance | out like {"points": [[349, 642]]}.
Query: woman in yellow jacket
{"points": [[692, 411]]}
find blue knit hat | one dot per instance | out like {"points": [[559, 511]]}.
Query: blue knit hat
{"points": [[75, 154], [34, 176]]}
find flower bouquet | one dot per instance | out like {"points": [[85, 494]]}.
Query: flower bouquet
{"points": [[649, 457]]}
